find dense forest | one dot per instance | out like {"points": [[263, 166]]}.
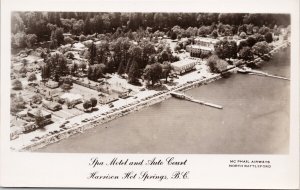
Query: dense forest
{"points": [[41, 23], [129, 41]]}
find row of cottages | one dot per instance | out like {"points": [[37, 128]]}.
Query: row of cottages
{"points": [[202, 45], [183, 66]]}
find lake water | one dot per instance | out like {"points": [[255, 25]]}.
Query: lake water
{"points": [[254, 120]]}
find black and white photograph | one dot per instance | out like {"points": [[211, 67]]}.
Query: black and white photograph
{"points": [[162, 94], [111, 82]]}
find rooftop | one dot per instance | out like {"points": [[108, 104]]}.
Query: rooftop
{"points": [[71, 96], [184, 62], [207, 39], [201, 47], [43, 112], [78, 46]]}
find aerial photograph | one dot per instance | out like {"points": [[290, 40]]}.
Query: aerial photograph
{"points": [[150, 82]]}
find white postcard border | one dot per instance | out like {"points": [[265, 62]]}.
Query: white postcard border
{"points": [[24, 169]]}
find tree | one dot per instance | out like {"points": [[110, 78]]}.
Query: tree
{"points": [[259, 37], [246, 54], [23, 70], [17, 104], [87, 104], [173, 36], [39, 118], [36, 99], [57, 37], [92, 53], [212, 62], [78, 27], [216, 64], [166, 70], [134, 73], [261, 48], [45, 72], [243, 35], [68, 40], [226, 49], [263, 30], [82, 66], [65, 87], [102, 52], [19, 40], [251, 41], [203, 31], [269, 37], [82, 38], [57, 65], [121, 68], [31, 39], [95, 72], [17, 85], [214, 34], [153, 72], [32, 77], [87, 25], [70, 104], [93, 102], [110, 65], [69, 55], [74, 69], [243, 43]]}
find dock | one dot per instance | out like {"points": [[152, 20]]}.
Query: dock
{"points": [[254, 72], [191, 99], [260, 73]]}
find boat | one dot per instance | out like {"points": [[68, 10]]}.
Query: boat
{"points": [[177, 95], [244, 70]]}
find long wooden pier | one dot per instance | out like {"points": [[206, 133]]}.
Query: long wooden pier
{"points": [[189, 98], [260, 73], [254, 72]]}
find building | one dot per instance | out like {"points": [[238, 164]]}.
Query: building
{"points": [[72, 98], [183, 66], [53, 106], [203, 46], [206, 42], [197, 50], [78, 47], [34, 113], [67, 35], [52, 84]]}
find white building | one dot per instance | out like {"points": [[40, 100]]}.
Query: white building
{"points": [[183, 66], [202, 45], [206, 42], [73, 98]]}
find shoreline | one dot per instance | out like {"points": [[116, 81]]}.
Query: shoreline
{"points": [[120, 113], [125, 111]]}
